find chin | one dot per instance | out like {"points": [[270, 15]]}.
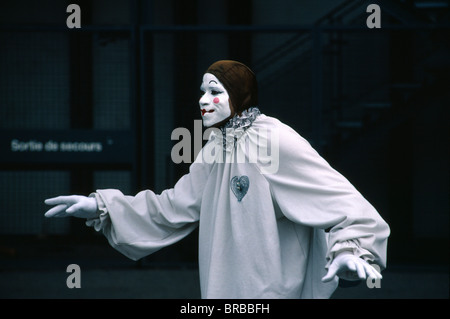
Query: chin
{"points": [[218, 124], [208, 124]]}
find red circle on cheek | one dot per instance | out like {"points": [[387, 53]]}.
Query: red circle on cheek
{"points": [[216, 100]]}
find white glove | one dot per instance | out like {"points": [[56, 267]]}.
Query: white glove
{"points": [[349, 267], [73, 205]]}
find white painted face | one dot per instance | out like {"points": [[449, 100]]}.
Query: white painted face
{"points": [[214, 104]]}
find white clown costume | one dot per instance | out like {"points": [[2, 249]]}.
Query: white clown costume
{"points": [[265, 231]]}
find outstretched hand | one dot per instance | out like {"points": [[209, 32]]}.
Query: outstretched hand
{"points": [[349, 267], [72, 205]]}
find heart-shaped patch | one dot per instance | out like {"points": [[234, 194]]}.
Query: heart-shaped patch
{"points": [[239, 186]]}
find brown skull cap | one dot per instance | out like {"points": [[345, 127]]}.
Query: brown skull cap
{"points": [[239, 81]]}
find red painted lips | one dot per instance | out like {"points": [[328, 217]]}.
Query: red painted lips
{"points": [[205, 111]]}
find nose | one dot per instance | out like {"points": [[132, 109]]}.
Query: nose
{"points": [[203, 100]]}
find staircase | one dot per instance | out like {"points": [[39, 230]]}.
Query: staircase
{"points": [[357, 96]]}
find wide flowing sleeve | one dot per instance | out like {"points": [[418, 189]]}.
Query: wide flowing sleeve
{"points": [[310, 192], [140, 225]]}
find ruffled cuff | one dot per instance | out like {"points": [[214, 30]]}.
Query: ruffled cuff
{"points": [[349, 246], [102, 217]]}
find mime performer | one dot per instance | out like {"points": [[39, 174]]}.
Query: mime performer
{"points": [[275, 219]]}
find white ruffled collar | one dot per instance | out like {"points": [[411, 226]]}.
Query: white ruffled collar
{"points": [[235, 128], [243, 121]]}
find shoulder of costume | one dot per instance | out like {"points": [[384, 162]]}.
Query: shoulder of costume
{"points": [[284, 131]]}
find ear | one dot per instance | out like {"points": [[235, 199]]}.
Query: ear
{"points": [[233, 111]]}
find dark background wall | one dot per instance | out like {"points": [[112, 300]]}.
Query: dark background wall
{"points": [[374, 103]]}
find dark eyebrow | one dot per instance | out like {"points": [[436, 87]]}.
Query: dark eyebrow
{"points": [[213, 81]]}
